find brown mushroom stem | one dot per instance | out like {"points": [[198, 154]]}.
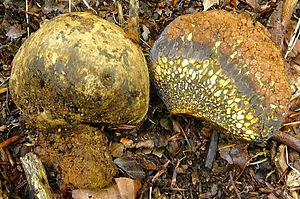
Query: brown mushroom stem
{"points": [[81, 153]]}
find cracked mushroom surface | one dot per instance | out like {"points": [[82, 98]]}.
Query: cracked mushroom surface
{"points": [[76, 70], [225, 68]]}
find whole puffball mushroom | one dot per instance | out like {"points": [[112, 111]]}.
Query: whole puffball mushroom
{"points": [[225, 68], [80, 69]]}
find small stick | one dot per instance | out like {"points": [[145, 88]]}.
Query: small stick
{"points": [[36, 177], [233, 184], [294, 39], [287, 139], [26, 15], [212, 149], [9, 141]]}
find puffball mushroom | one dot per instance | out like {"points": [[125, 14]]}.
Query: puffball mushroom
{"points": [[225, 68], [80, 69]]}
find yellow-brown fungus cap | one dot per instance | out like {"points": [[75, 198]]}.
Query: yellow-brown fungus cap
{"points": [[80, 68], [223, 67]]}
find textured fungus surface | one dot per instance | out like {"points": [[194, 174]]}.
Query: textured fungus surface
{"points": [[82, 157], [225, 68], [80, 68]]}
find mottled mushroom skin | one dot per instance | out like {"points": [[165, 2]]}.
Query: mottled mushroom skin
{"points": [[223, 67], [80, 68]]}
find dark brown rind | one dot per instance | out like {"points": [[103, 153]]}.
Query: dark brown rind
{"points": [[223, 67], [79, 68]]}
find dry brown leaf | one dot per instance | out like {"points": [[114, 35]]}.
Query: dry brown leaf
{"points": [[130, 167], [253, 4], [15, 32], [236, 154], [209, 3], [128, 188], [123, 188], [280, 159], [287, 11], [276, 25]]}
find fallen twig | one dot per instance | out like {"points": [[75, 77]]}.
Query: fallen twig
{"points": [[287, 139]]}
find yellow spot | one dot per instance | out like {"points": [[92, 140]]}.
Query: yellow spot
{"points": [[164, 60], [159, 62], [213, 79], [193, 75], [272, 83], [158, 70], [211, 72], [198, 66], [171, 63], [191, 71], [253, 121], [184, 63], [247, 124], [249, 116], [252, 136], [229, 101], [232, 91], [189, 37], [179, 70], [185, 69], [239, 125], [273, 106], [226, 82], [234, 116], [182, 38], [205, 63], [178, 61], [218, 72], [239, 41], [240, 115], [225, 92], [233, 54], [192, 61], [246, 103], [249, 132], [218, 93], [228, 111], [218, 43]]}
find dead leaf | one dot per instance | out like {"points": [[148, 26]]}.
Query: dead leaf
{"points": [[145, 33], [130, 167], [116, 149], [277, 30], [209, 3], [236, 154], [287, 11], [253, 4], [146, 144], [15, 32], [280, 159], [123, 188], [128, 188]]}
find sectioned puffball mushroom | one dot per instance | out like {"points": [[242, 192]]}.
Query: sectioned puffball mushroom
{"points": [[225, 68], [80, 69]]}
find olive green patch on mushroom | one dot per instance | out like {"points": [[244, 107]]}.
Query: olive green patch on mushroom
{"points": [[239, 78]]}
